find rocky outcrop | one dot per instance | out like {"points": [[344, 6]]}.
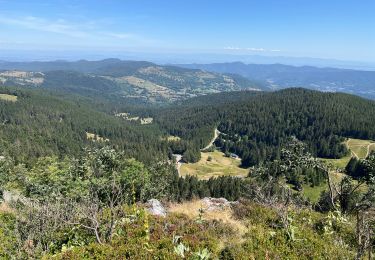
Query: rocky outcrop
{"points": [[214, 204], [155, 208]]}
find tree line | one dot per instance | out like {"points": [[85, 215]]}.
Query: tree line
{"points": [[256, 125]]}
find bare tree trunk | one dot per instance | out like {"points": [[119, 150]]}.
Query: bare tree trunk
{"points": [[331, 192], [359, 242], [97, 235]]}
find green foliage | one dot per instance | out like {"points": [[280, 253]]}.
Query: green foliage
{"points": [[296, 165], [75, 202], [268, 238], [191, 156], [43, 124], [8, 240], [256, 126], [363, 168], [77, 178], [190, 187]]}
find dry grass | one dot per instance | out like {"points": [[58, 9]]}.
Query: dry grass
{"points": [[23, 77], [16, 74], [146, 120], [95, 137], [5, 208], [172, 138], [141, 83], [218, 166], [143, 121], [191, 209], [7, 97]]}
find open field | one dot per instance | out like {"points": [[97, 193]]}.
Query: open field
{"points": [[218, 166], [172, 138], [95, 137], [359, 148], [128, 117], [313, 193], [7, 97], [338, 163], [151, 87]]}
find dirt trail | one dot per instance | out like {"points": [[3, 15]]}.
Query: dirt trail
{"points": [[216, 135], [353, 153], [178, 158], [368, 149]]}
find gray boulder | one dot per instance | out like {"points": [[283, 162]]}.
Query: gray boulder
{"points": [[213, 204], [155, 208]]}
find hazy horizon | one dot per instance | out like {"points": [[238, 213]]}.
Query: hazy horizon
{"points": [[182, 58], [333, 31]]}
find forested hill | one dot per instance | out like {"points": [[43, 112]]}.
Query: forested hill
{"points": [[144, 81], [255, 125], [278, 76], [40, 123]]}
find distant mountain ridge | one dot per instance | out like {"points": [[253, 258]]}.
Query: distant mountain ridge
{"points": [[135, 79], [79, 66], [278, 76]]}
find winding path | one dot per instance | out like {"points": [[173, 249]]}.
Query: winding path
{"points": [[178, 157], [216, 135], [354, 154]]}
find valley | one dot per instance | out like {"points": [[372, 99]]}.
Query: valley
{"points": [[187, 130], [95, 147]]}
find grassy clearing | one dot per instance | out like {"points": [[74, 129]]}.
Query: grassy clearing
{"points": [[172, 138], [7, 97], [338, 163], [218, 166], [141, 83], [95, 137], [358, 148], [128, 117], [146, 120], [313, 193]]}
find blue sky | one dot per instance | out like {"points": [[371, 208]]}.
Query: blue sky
{"points": [[330, 29]]}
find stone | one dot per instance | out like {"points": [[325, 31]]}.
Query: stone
{"points": [[214, 204], [155, 208]]}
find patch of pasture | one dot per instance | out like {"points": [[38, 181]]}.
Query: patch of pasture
{"points": [[7, 97], [214, 164]]}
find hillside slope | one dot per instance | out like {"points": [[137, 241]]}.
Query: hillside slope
{"points": [[255, 125], [278, 76], [135, 79], [39, 124]]}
